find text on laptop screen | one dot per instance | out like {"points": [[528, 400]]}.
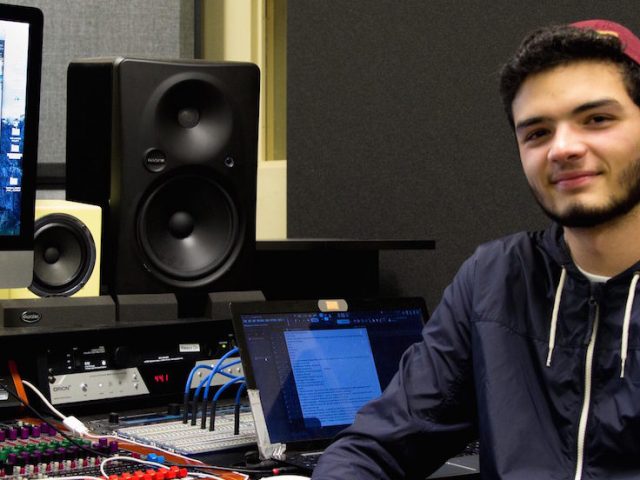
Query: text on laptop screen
{"points": [[14, 37], [315, 370]]}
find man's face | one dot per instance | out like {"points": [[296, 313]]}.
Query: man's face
{"points": [[578, 134]]}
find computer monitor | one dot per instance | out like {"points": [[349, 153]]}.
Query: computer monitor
{"points": [[20, 70]]}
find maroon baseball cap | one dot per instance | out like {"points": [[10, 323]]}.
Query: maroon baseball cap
{"points": [[630, 43]]}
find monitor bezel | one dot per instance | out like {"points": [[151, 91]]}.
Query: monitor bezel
{"points": [[33, 17]]}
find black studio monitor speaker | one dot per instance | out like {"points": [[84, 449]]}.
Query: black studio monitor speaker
{"points": [[168, 149]]}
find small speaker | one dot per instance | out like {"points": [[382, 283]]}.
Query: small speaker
{"points": [[67, 239], [168, 149]]}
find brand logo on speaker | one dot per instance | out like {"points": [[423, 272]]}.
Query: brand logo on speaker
{"points": [[30, 317], [155, 160]]}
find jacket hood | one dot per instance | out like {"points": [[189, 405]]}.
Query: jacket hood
{"points": [[553, 243], [551, 240]]}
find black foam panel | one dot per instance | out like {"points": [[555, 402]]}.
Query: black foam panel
{"points": [[156, 308], [396, 129], [58, 313], [218, 302]]}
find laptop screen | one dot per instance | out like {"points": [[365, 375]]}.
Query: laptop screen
{"points": [[314, 369]]}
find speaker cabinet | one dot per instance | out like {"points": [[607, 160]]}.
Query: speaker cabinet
{"points": [[168, 149], [67, 238]]}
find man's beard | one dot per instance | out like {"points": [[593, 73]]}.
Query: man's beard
{"points": [[580, 216]]}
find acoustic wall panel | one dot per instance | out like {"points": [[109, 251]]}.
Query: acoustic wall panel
{"points": [[95, 28], [396, 130]]}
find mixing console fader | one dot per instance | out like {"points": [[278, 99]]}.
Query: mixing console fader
{"points": [[35, 450]]}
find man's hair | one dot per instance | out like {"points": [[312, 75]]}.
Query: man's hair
{"points": [[553, 46]]}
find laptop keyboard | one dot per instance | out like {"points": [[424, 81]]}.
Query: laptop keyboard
{"points": [[304, 460], [309, 460], [472, 449]]}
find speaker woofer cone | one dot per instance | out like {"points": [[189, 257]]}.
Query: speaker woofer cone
{"points": [[188, 230], [64, 255]]}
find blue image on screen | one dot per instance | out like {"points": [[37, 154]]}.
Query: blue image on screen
{"points": [[14, 38], [334, 372]]}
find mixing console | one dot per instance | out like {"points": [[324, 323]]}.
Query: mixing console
{"points": [[31, 450], [135, 383], [125, 471]]}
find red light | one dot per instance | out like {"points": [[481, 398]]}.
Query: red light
{"points": [[161, 378]]}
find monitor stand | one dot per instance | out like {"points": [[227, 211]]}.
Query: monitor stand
{"points": [[17, 268]]}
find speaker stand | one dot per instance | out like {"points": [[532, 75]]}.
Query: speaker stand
{"points": [[214, 305]]}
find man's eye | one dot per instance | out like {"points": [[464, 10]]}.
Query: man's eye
{"points": [[535, 134], [597, 119]]}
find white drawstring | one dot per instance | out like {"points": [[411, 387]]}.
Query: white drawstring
{"points": [[554, 315], [626, 323]]}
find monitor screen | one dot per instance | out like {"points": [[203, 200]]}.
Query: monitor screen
{"points": [[315, 369], [20, 65]]}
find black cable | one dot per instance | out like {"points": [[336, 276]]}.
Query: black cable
{"points": [[212, 419], [39, 416], [236, 419], [185, 408], [236, 412], [194, 411], [203, 420]]}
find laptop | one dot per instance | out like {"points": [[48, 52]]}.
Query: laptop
{"points": [[311, 364]]}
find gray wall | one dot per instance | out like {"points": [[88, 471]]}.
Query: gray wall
{"points": [[92, 28], [395, 128]]}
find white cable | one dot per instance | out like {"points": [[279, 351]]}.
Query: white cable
{"points": [[154, 464], [78, 427], [44, 400], [75, 425], [71, 422], [204, 475]]}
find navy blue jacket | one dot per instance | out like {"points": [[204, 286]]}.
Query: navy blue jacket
{"points": [[543, 391]]}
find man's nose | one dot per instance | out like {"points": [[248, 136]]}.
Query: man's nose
{"points": [[566, 145]]}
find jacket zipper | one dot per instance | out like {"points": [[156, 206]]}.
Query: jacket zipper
{"points": [[582, 426]]}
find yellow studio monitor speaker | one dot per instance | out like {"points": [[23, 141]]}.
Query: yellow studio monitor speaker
{"points": [[66, 251]]}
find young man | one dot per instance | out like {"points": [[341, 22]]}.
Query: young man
{"points": [[535, 347]]}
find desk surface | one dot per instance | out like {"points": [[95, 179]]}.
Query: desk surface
{"points": [[294, 244]]}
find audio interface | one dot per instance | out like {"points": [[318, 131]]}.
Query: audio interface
{"points": [[82, 387]]}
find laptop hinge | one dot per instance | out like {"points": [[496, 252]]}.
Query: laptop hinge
{"points": [[266, 449]]}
